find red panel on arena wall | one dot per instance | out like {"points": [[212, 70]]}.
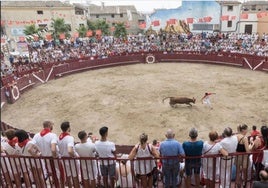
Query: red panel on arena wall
{"points": [[190, 20]]}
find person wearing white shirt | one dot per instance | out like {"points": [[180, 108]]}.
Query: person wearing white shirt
{"points": [[66, 149], [89, 167], [229, 143], [106, 149], [47, 143]]}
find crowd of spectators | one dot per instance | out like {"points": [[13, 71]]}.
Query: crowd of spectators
{"points": [[176, 158], [50, 52]]}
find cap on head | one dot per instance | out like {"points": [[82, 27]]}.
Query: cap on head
{"points": [[193, 133]]}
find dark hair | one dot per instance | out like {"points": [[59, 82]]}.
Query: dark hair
{"points": [[193, 133], [10, 134], [242, 127], [264, 132], [154, 142], [103, 131], [254, 127], [213, 135], [228, 132], [82, 135], [143, 138], [22, 135], [65, 126]]}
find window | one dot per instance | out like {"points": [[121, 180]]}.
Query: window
{"points": [[81, 25], [253, 7], [230, 8], [97, 16], [79, 12], [112, 15], [229, 24], [42, 26], [121, 15], [40, 12]]}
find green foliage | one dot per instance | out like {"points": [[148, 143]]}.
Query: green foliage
{"points": [[59, 26], [82, 30], [120, 30], [103, 26]]}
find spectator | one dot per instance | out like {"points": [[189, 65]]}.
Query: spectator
{"points": [[89, 167], [259, 144], [242, 161], [229, 143], [66, 149], [106, 149], [91, 138], [47, 142], [192, 148], [10, 168], [254, 131], [263, 183], [144, 169], [124, 172], [28, 148], [170, 167], [211, 147]]}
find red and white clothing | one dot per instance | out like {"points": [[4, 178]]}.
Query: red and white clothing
{"points": [[65, 142], [44, 141], [12, 163]]}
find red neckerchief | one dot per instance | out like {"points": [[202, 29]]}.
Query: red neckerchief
{"points": [[22, 144], [13, 141], [62, 135], [45, 131]]}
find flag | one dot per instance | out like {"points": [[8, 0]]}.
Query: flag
{"points": [[62, 36], [156, 23], [207, 19], [233, 17], [89, 33], [98, 32], [142, 25], [225, 18], [244, 16], [76, 35], [261, 14], [200, 20], [129, 15], [48, 37], [172, 21], [190, 20]]}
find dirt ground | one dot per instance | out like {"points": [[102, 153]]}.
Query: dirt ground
{"points": [[128, 99]]}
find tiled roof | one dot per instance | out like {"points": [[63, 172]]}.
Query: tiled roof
{"points": [[256, 3], [94, 9], [34, 4]]}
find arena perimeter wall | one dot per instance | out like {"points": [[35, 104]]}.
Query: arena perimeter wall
{"points": [[11, 90]]}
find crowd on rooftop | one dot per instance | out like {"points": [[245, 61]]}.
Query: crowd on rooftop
{"points": [[51, 52], [177, 160]]}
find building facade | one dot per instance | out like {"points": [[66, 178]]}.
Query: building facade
{"points": [[244, 17]]}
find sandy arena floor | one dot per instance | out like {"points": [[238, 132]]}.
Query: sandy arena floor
{"points": [[128, 99]]}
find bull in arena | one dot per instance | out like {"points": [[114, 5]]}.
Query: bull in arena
{"points": [[179, 100]]}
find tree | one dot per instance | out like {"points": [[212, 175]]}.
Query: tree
{"points": [[103, 26], [59, 27], [82, 30], [91, 25], [31, 30], [120, 30]]}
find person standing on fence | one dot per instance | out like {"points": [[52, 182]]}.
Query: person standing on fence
{"points": [[206, 99], [88, 167], [193, 148], [106, 149], [171, 148], [66, 149], [229, 143]]}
